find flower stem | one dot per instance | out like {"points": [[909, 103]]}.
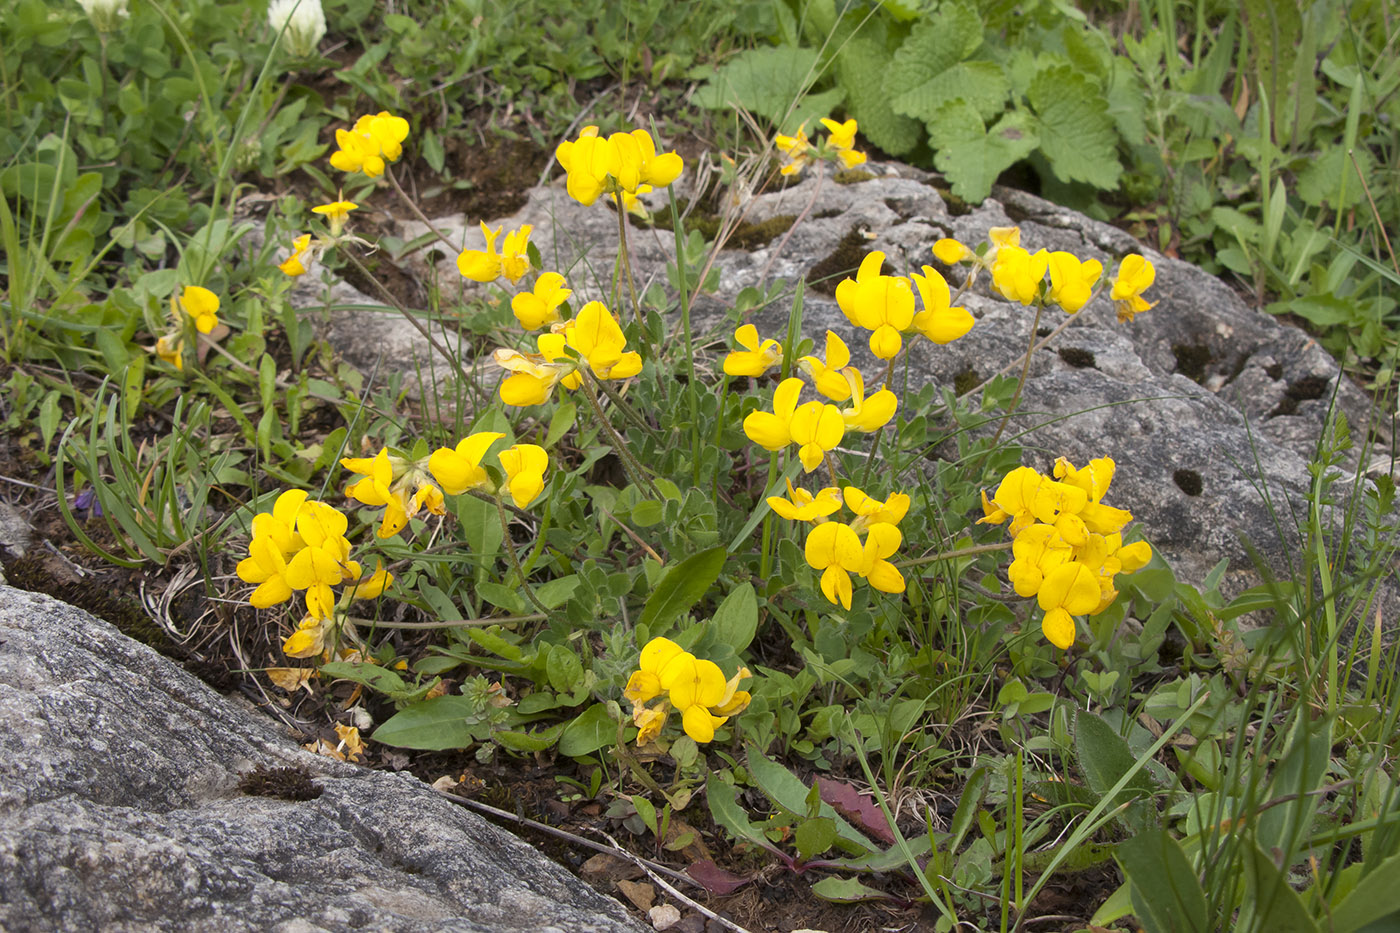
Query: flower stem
{"points": [[624, 250], [811, 202], [1021, 383], [413, 206], [418, 325], [515, 559], [629, 463]]}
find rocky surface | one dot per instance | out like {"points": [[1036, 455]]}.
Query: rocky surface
{"points": [[120, 809], [1208, 406]]}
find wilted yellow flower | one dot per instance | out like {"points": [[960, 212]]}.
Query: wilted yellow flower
{"points": [[1135, 276], [294, 264], [171, 348]]}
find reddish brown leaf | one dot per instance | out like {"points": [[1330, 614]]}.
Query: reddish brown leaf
{"points": [[857, 807], [715, 879]]}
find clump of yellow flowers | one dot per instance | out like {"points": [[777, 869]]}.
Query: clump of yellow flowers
{"points": [[797, 150], [195, 305], [1067, 544], [694, 686]]}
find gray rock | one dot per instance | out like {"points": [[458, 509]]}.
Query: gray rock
{"points": [[119, 810], [1199, 389]]}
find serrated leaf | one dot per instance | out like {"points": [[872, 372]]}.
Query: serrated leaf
{"points": [[1077, 135], [861, 67], [970, 155], [985, 85], [766, 82], [933, 46], [434, 725]]}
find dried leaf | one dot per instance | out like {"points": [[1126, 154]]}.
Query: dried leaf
{"points": [[715, 879], [856, 807], [291, 679], [641, 894]]}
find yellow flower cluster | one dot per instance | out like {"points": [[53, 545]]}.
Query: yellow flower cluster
{"points": [[1068, 545], [623, 165], [694, 686], [1019, 275], [405, 487], [884, 305], [592, 340], [301, 545], [195, 304], [797, 150], [816, 427], [374, 140], [836, 549], [488, 265]]}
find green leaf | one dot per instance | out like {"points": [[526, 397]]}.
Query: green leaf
{"points": [[530, 742], [846, 891], [1166, 893], [1371, 900], [971, 156], [724, 807], [371, 675], [1104, 757], [767, 81], [646, 810], [563, 668], [1277, 907], [787, 791], [433, 152], [982, 84], [861, 67], [481, 526], [1077, 135], [814, 836], [503, 597], [933, 46], [589, 731], [682, 587], [736, 619], [434, 725]]}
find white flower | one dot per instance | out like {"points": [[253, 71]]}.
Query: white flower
{"points": [[305, 21], [106, 15]]}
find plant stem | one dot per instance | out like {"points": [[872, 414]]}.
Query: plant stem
{"points": [[417, 324], [413, 206], [515, 559], [629, 463], [1021, 384]]}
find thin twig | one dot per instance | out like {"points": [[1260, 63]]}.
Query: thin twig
{"points": [[669, 889]]}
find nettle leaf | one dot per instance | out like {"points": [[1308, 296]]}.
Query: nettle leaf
{"points": [[766, 82], [861, 68], [983, 84], [933, 46], [972, 156], [1077, 135]]}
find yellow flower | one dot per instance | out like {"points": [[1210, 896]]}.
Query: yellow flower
{"points": [[950, 252], [202, 305], [829, 376], [882, 304], [534, 309], [524, 465], [1069, 590], [369, 588], [755, 358], [638, 164], [939, 322], [375, 139], [871, 511], [803, 506], [335, 213], [835, 549], [772, 430], [623, 163], [325, 559], [588, 161], [842, 139], [309, 640], [1072, 281], [533, 376], [649, 722], [171, 348], [595, 335], [817, 428], [388, 481], [274, 540], [796, 151], [695, 685], [294, 265], [1017, 275], [1135, 276], [458, 470], [645, 683], [881, 542], [488, 265], [867, 414]]}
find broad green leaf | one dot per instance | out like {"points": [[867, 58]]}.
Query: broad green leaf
{"points": [[1077, 135], [1302, 769], [982, 84], [814, 836], [846, 891], [934, 45], [563, 668], [481, 526], [767, 81], [1167, 895], [371, 675], [682, 587], [971, 156], [724, 808], [787, 791], [1372, 900], [531, 742], [555, 593], [1277, 907], [589, 731], [736, 619], [434, 725], [1104, 757], [861, 67]]}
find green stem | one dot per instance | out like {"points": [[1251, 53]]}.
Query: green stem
{"points": [[629, 463], [626, 255], [1021, 383], [691, 386], [413, 206], [958, 552], [417, 324], [515, 559]]}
